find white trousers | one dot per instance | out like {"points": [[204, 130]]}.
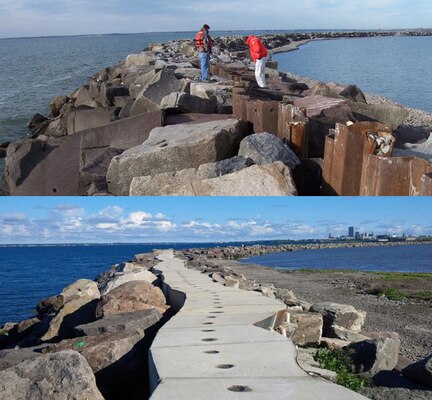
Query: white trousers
{"points": [[260, 71]]}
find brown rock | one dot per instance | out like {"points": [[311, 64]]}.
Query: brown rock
{"points": [[130, 297], [309, 328]]}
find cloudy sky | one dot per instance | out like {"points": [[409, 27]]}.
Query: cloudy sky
{"points": [[145, 220], [65, 17]]}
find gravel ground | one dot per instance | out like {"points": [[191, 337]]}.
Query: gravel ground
{"points": [[412, 319]]}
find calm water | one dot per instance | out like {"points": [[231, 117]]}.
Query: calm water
{"points": [[416, 258], [29, 273], [395, 67], [34, 70]]}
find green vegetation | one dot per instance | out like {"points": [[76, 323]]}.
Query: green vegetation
{"points": [[80, 344], [404, 276], [396, 294], [423, 295], [339, 361], [324, 271]]}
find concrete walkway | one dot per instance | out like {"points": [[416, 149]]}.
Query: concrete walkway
{"points": [[211, 350]]}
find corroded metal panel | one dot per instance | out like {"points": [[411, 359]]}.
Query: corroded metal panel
{"points": [[426, 185], [263, 115], [395, 176]]}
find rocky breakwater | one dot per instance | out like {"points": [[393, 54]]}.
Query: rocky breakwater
{"points": [[149, 126], [88, 342], [374, 358], [236, 252]]}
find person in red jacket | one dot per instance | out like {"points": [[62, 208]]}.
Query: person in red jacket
{"points": [[204, 45], [259, 57]]}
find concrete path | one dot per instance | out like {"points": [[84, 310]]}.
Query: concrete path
{"points": [[211, 350]]}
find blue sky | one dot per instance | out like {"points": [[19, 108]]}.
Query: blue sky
{"points": [[65, 17], [136, 219]]}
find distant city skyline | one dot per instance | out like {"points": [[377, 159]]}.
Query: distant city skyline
{"points": [[24, 18], [45, 220]]}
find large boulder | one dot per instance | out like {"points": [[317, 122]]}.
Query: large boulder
{"points": [[99, 145], [130, 74], [121, 278], [64, 375], [186, 103], [258, 180], [143, 58], [80, 300], [309, 328], [265, 148], [174, 148], [379, 353], [388, 114], [342, 315], [187, 73], [131, 297], [120, 323], [350, 92], [79, 119], [161, 84], [420, 371]]}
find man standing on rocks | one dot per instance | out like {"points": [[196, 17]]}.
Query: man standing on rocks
{"points": [[204, 45], [259, 56]]}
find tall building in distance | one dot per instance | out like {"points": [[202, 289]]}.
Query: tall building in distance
{"points": [[351, 232]]}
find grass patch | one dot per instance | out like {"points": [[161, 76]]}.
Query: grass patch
{"points": [[423, 295], [323, 271], [339, 361], [404, 276]]}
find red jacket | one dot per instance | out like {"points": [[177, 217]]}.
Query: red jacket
{"points": [[257, 48], [203, 41]]}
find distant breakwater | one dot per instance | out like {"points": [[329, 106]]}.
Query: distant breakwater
{"points": [[237, 252], [115, 135]]}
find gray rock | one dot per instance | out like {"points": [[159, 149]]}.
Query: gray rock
{"points": [[80, 119], [265, 148], [175, 148], [337, 332], [130, 74], [391, 115], [61, 376], [350, 92], [99, 145], [258, 180], [342, 315], [56, 105], [287, 296], [309, 328], [420, 371], [143, 58], [186, 103], [380, 353], [79, 307], [122, 277], [161, 85], [120, 323], [229, 166], [187, 73], [143, 105]]}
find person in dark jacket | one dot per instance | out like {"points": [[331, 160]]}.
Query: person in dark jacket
{"points": [[259, 56], [204, 45]]}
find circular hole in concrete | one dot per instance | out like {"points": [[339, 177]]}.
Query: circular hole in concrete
{"points": [[211, 316], [211, 352], [209, 340], [208, 323], [220, 307], [225, 366], [216, 312], [239, 388], [208, 330]]}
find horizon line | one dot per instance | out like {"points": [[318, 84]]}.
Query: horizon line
{"points": [[222, 30]]}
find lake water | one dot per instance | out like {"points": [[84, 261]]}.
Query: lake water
{"points": [[34, 70], [394, 67], [415, 258], [30, 273]]}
